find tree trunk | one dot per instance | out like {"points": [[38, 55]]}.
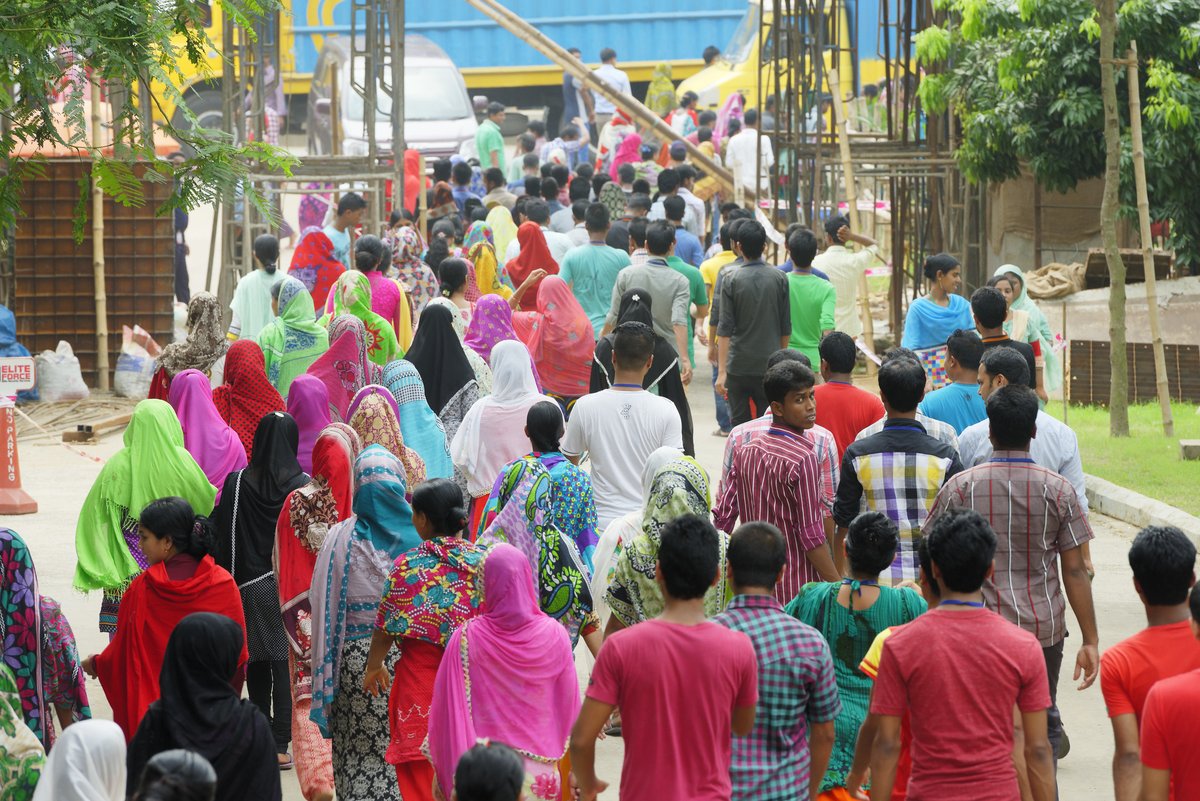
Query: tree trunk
{"points": [[1118, 404]]}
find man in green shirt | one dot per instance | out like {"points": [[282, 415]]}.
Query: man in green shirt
{"points": [[591, 269], [489, 142], [812, 299]]}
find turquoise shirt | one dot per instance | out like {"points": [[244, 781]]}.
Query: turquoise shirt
{"points": [[591, 272], [487, 139], [956, 404], [698, 297], [341, 245]]}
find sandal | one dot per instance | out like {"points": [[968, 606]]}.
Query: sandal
{"points": [[285, 762]]}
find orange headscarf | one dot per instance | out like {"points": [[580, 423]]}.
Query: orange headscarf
{"points": [[560, 338]]}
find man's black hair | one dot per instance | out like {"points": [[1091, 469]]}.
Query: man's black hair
{"points": [[756, 555], [688, 557], [674, 207], [1012, 414], [686, 173], [596, 220], [704, 134], [966, 347], [962, 545], [533, 187], [989, 307], [927, 566], [549, 189], [870, 90], [939, 263], [626, 173], [633, 344], [640, 186], [753, 239], [901, 352], [788, 355], [787, 376], [598, 181], [580, 188], [1007, 362], [668, 181], [545, 168], [351, 201], [723, 235], [544, 421], [637, 231], [739, 213], [835, 224], [477, 213], [751, 116], [493, 176], [640, 202], [585, 170], [871, 542], [802, 247], [706, 119], [530, 161], [660, 235], [1194, 604], [537, 211], [441, 170], [527, 143], [562, 174], [838, 350], [607, 54], [489, 771], [537, 128], [579, 210], [902, 384], [1163, 560], [494, 108], [710, 54]]}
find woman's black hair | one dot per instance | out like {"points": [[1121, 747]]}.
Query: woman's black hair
{"points": [[172, 518], [479, 214], [544, 422], [489, 771], [441, 500], [177, 775], [871, 543], [439, 251], [266, 250], [939, 263], [369, 252], [453, 275]]}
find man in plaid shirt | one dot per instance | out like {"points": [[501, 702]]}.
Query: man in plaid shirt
{"points": [[789, 746]]}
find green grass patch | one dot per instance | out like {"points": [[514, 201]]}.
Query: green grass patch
{"points": [[1145, 461]]}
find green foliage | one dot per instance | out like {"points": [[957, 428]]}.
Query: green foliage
{"points": [[54, 46], [1024, 78]]}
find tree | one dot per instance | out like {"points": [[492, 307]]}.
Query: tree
{"points": [[59, 46], [1023, 78]]}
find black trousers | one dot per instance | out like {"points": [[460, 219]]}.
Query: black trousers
{"points": [[269, 687], [747, 400]]}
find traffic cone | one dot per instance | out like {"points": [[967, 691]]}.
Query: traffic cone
{"points": [[13, 499]]}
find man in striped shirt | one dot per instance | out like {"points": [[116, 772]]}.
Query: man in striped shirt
{"points": [[1037, 520], [776, 478]]}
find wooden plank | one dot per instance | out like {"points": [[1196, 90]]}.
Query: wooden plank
{"points": [[90, 432]]}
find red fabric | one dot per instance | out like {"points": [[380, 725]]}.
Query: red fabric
{"points": [[247, 395], [959, 673], [128, 668], [313, 265], [560, 338], [845, 410], [160, 385], [409, 702], [535, 255], [677, 687], [416, 780], [1131, 667], [1170, 730], [412, 180]]}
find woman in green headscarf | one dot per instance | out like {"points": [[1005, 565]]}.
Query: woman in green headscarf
{"points": [[1037, 330], [679, 487], [660, 96], [352, 295], [294, 339], [153, 464]]}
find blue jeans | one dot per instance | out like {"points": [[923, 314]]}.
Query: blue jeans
{"points": [[723, 421]]}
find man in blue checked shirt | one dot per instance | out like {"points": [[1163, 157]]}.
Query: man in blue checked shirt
{"points": [[797, 692]]}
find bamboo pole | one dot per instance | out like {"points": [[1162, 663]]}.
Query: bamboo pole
{"points": [[399, 143], [843, 136], [101, 295], [1143, 205], [536, 39]]}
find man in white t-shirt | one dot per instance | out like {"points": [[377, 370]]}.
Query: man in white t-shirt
{"points": [[620, 427], [743, 158], [615, 78]]}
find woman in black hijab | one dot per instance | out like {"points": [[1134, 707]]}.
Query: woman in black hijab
{"points": [[663, 378], [200, 711], [437, 353], [246, 517]]}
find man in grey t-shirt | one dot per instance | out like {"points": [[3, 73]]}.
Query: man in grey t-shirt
{"points": [[756, 320]]}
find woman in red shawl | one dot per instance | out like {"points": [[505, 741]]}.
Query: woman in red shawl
{"points": [[412, 179], [561, 340], [182, 578], [534, 255], [314, 264], [346, 367], [247, 394], [307, 515]]}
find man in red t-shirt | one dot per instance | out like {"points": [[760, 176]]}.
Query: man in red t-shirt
{"points": [[842, 407], [962, 726], [684, 685], [1171, 732], [1162, 559]]}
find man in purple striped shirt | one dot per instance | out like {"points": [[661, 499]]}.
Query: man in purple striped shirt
{"points": [[1036, 516], [776, 478]]}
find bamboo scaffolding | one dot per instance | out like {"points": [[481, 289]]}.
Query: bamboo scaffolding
{"points": [[101, 293]]}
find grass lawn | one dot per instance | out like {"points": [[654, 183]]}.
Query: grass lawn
{"points": [[1146, 461]]}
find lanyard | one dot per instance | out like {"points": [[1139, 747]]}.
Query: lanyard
{"points": [[954, 602], [626, 386], [1012, 459]]}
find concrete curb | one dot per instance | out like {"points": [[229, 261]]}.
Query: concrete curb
{"points": [[1137, 509]]}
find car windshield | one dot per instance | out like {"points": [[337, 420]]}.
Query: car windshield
{"points": [[742, 42], [430, 93]]}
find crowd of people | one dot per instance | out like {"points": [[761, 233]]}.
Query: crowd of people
{"points": [[362, 503]]}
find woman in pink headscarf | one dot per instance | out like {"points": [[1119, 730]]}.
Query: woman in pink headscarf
{"points": [[209, 439], [308, 404], [345, 368], [508, 675], [561, 340], [491, 323], [628, 152]]}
